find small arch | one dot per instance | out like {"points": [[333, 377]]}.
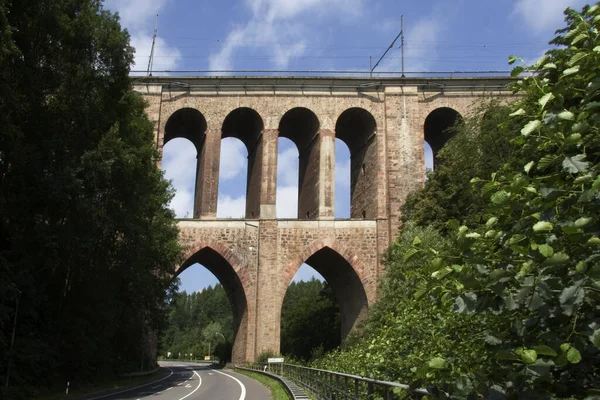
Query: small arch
{"points": [[439, 127], [357, 128], [187, 123], [302, 126], [287, 179], [229, 271], [246, 125], [179, 164], [342, 269]]}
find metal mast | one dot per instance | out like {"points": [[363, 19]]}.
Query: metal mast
{"points": [[151, 59]]}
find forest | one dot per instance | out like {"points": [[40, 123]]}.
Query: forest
{"points": [[197, 320], [87, 243]]}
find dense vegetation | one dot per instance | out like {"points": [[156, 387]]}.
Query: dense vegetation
{"points": [[493, 286], [307, 305], [199, 322], [87, 244], [200, 318]]}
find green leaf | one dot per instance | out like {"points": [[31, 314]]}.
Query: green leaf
{"points": [[410, 253], [499, 197], [512, 59], [596, 49], [416, 241], [556, 259], [570, 298], [566, 115], [573, 355], [520, 111], [544, 350], [570, 71], [583, 221], [546, 250], [596, 184], [442, 273], [437, 363], [577, 39], [549, 66], [492, 340], [530, 127], [516, 71], [575, 164], [492, 221], [542, 226], [595, 338], [529, 356], [545, 99], [528, 166]]}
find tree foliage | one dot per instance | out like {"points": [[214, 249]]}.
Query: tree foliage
{"points": [[306, 305], [197, 319], [87, 243], [519, 270]]}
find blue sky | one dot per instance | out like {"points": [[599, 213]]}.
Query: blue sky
{"points": [[341, 35]]}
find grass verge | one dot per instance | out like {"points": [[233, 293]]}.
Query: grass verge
{"points": [[278, 392], [88, 390]]}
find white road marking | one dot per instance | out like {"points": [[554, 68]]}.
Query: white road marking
{"points": [[210, 373], [169, 388], [154, 387], [197, 387], [188, 386], [243, 394], [133, 388]]}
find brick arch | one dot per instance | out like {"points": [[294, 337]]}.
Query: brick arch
{"points": [[348, 284], [235, 280], [353, 259], [224, 251]]}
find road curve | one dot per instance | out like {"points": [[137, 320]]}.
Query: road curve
{"points": [[187, 381]]}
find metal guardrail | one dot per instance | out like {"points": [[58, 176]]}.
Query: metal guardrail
{"points": [[329, 385]]}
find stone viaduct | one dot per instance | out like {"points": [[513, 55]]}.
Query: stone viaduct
{"points": [[383, 121]]}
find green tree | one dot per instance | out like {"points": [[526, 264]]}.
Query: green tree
{"points": [[87, 244], [307, 305]]}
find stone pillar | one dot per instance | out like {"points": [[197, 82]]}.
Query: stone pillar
{"points": [[317, 181], [262, 176], [207, 176], [326, 174], [268, 309]]}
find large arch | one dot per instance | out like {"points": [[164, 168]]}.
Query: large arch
{"points": [[343, 270], [301, 126], [190, 124], [357, 128], [246, 125], [234, 278], [438, 128]]}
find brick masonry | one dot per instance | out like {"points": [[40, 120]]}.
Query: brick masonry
{"points": [[381, 121]]}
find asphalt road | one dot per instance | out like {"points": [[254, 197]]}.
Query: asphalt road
{"points": [[192, 381]]}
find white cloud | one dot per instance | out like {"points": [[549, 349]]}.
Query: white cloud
{"points": [[230, 207], [234, 158], [274, 28], [287, 201], [135, 14], [179, 164], [165, 58], [287, 166], [138, 16], [544, 15]]}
